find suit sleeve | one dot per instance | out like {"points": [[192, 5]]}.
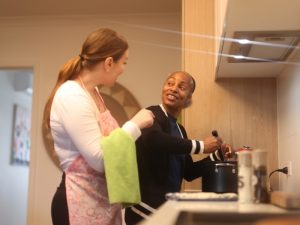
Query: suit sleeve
{"points": [[160, 140], [193, 170]]}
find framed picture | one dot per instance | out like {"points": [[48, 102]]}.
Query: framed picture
{"points": [[20, 152]]}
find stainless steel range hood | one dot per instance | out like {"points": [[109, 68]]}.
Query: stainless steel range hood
{"points": [[272, 28], [263, 46]]}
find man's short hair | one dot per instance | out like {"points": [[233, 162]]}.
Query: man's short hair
{"points": [[193, 85]]}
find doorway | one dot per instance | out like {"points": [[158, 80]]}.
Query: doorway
{"points": [[15, 121]]}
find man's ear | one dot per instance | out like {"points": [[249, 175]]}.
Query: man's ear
{"points": [[188, 102], [108, 62]]}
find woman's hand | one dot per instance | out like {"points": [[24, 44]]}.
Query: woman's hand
{"points": [[144, 118]]}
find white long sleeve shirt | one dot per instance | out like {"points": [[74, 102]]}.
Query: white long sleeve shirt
{"points": [[75, 128]]}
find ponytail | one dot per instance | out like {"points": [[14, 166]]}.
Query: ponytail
{"points": [[99, 45], [69, 71]]}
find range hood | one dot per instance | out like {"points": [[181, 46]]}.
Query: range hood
{"points": [[260, 38], [263, 46]]}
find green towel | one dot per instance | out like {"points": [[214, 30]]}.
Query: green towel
{"points": [[120, 166]]}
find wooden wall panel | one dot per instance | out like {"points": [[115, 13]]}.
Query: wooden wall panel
{"points": [[242, 110]]}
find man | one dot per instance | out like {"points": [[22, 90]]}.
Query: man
{"points": [[164, 152]]}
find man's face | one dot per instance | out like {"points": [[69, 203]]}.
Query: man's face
{"points": [[176, 91]]}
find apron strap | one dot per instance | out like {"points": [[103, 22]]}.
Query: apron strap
{"points": [[145, 207]]}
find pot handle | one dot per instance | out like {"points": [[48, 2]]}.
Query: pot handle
{"points": [[221, 153], [217, 165]]}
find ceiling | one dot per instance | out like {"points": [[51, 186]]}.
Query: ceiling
{"points": [[251, 15], [17, 8], [271, 17]]}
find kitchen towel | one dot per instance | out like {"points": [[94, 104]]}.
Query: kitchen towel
{"points": [[121, 171]]}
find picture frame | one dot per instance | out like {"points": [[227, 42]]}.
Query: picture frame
{"points": [[20, 150]]}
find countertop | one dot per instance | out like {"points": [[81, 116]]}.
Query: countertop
{"points": [[168, 213]]}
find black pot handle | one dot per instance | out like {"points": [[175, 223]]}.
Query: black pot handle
{"points": [[221, 153]]}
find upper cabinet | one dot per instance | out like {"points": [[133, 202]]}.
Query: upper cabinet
{"points": [[256, 38]]}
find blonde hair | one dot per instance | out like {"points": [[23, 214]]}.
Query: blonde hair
{"points": [[98, 46]]}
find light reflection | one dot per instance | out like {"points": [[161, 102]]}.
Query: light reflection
{"points": [[223, 39], [243, 41]]}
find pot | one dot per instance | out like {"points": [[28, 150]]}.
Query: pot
{"points": [[220, 177]]}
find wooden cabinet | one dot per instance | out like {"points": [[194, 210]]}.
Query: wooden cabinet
{"points": [[244, 111]]}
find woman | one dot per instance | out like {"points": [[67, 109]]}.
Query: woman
{"points": [[79, 120]]}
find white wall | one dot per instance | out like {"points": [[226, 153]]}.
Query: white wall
{"points": [[13, 178], [46, 43], [288, 85]]}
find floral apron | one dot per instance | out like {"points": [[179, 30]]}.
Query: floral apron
{"points": [[86, 188]]}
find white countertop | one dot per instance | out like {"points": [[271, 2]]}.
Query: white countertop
{"points": [[168, 212]]}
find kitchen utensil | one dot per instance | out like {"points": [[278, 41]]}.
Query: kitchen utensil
{"points": [[245, 174], [220, 152], [220, 177]]}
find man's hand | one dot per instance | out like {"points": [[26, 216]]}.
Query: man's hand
{"points": [[226, 149], [211, 144]]}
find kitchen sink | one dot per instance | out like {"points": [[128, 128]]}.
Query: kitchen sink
{"points": [[204, 218]]}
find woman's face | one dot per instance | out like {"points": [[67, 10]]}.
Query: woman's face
{"points": [[117, 68]]}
